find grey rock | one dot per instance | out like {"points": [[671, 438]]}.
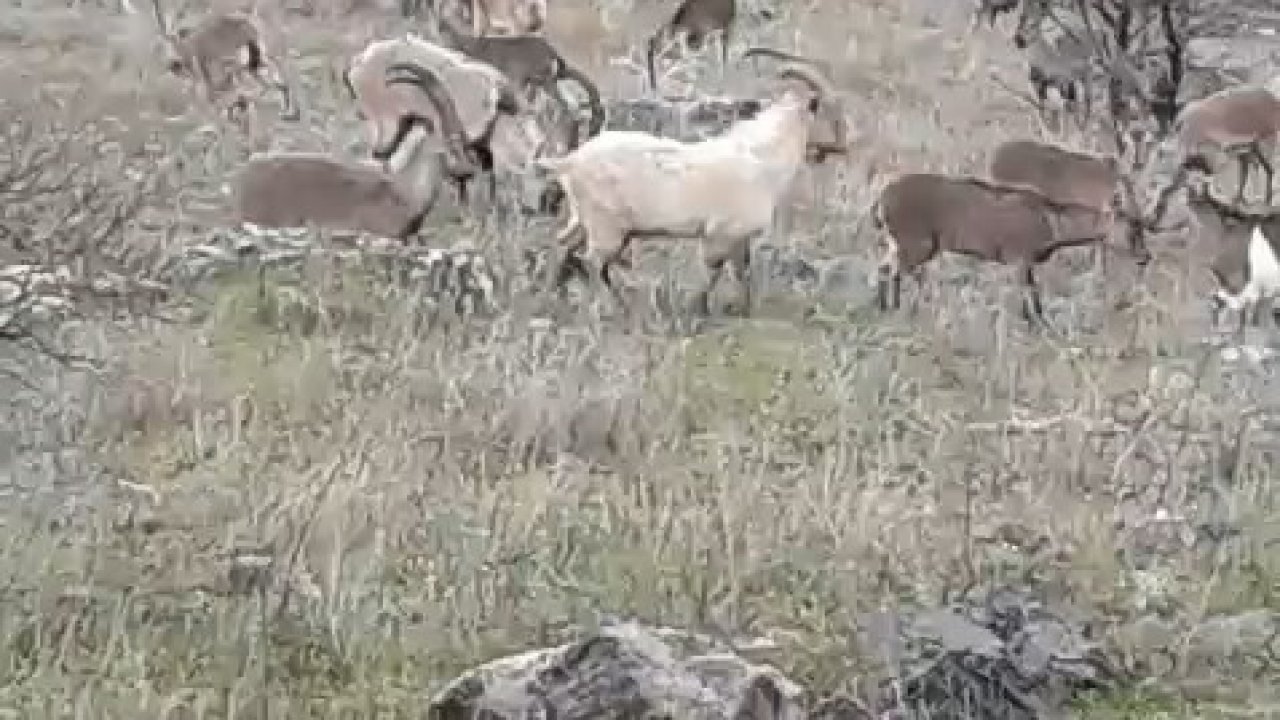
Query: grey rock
{"points": [[998, 654], [681, 119], [622, 670]]}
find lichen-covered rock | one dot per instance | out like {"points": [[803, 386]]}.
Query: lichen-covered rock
{"points": [[680, 119], [1001, 654], [622, 671]]}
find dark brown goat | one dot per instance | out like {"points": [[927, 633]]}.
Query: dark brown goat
{"points": [[1060, 174], [923, 214], [530, 62], [696, 20]]}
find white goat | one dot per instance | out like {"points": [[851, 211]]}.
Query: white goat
{"points": [[725, 190]]}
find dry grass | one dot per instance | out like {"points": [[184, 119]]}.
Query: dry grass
{"points": [[434, 498]]}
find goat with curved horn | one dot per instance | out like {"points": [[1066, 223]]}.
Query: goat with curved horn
{"points": [[221, 49], [829, 133], [493, 132], [462, 157], [626, 185]]}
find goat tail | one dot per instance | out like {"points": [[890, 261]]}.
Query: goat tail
{"points": [[593, 96]]}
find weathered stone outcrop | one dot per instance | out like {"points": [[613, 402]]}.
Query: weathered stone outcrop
{"points": [[681, 119], [622, 671]]}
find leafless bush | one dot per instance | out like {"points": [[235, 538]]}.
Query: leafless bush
{"points": [[1135, 56], [69, 197]]}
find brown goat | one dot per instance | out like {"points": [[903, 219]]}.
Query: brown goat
{"points": [[298, 189], [531, 63], [1060, 174], [1239, 121], [923, 214], [218, 51], [695, 20]]}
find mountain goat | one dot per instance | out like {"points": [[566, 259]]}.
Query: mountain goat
{"points": [[531, 63], [1241, 121], [218, 51], [483, 122], [922, 214], [623, 185]]}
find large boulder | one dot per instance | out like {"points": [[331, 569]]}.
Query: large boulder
{"points": [[623, 670]]}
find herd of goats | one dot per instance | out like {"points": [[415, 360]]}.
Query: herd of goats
{"points": [[443, 111]]}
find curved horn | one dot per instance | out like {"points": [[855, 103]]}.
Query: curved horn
{"points": [[450, 123], [775, 54], [809, 76], [824, 111]]}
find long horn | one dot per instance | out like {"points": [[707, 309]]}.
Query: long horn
{"points": [[775, 54], [807, 75], [450, 123]]}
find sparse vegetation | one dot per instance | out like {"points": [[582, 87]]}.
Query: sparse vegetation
{"points": [[292, 494]]}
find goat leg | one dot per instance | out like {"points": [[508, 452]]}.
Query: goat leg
{"points": [[1261, 308], [287, 111], [1267, 169], [725, 36], [610, 281], [918, 274], [740, 258], [1216, 306], [651, 64], [885, 278], [1032, 309], [1244, 160], [702, 301], [460, 188]]}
